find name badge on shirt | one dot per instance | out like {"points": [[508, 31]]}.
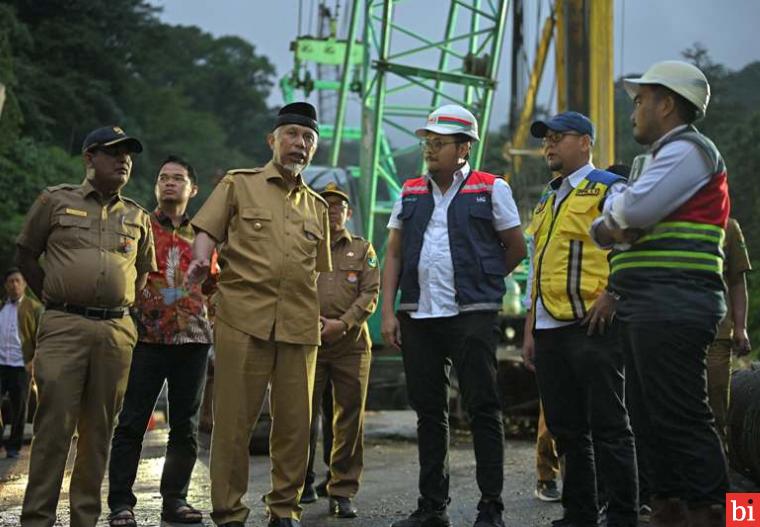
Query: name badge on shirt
{"points": [[77, 212], [587, 192]]}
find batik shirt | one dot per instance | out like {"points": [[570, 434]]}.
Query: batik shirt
{"points": [[167, 311]]}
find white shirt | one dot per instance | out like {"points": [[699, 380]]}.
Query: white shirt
{"points": [[543, 319], [675, 174], [10, 341], [436, 267]]}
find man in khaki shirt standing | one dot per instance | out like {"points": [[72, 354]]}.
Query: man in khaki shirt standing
{"points": [[732, 331], [276, 236], [98, 250], [347, 297]]}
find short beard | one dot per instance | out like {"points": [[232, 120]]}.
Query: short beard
{"points": [[294, 168]]}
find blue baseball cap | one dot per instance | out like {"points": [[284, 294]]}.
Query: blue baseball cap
{"points": [[564, 122]]}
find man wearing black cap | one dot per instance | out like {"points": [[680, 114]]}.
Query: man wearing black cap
{"points": [[276, 235], [347, 297], [576, 345], [98, 251]]}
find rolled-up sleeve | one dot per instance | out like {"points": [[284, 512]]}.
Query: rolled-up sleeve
{"points": [[505, 215], [394, 222]]}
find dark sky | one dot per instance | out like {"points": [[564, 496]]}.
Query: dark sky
{"points": [[645, 30]]}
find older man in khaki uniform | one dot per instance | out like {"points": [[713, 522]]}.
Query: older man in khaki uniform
{"points": [[347, 297], [276, 236], [98, 250]]}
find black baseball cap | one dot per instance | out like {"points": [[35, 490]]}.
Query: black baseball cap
{"points": [[108, 136], [564, 122], [301, 113]]}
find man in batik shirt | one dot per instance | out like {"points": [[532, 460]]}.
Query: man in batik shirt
{"points": [[173, 344]]}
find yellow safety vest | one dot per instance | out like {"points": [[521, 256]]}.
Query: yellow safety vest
{"points": [[569, 270]]}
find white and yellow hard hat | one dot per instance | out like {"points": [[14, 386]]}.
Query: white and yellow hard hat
{"points": [[683, 78]]}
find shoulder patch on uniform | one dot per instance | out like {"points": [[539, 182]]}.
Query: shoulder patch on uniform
{"points": [[245, 171], [63, 186], [371, 257], [604, 177], [136, 204]]}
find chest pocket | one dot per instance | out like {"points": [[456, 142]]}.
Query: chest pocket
{"points": [[310, 237], [72, 231], [349, 272], [125, 237], [579, 214], [256, 223]]}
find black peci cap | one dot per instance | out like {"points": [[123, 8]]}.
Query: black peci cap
{"points": [[301, 113]]}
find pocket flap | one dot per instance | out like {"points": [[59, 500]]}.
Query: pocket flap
{"points": [[313, 229], [67, 220], [253, 213]]}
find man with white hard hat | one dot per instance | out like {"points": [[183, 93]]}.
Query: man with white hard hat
{"points": [[454, 236], [668, 227]]}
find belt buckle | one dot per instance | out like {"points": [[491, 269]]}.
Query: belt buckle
{"points": [[92, 312]]}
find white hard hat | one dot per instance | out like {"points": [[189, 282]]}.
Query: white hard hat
{"points": [[685, 79], [451, 119]]}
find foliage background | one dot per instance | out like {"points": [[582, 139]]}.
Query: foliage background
{"points": [[72, 66]]}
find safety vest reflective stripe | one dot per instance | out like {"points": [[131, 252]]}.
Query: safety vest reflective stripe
{"points": [[685, 230], [690, 260]]}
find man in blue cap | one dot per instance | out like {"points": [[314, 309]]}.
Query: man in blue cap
{"points": [[572, 338], [98, 251]]}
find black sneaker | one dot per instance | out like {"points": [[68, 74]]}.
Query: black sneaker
{"points": [[489, 514], [426, 515], [547, 491], [309, 495]]}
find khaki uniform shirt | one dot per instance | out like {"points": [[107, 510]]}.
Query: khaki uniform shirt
{"points": [[349, 293], [275, 242], [735, 264], [94, 249]]}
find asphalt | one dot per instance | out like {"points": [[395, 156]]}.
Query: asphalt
{"points": [[388, 492]]}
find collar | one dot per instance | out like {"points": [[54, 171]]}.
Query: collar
{"points": [[6, 302], [460, 175], [88, 189], [656, 145], [166, 221], [343, 235], [573, 179], [271, 173]]}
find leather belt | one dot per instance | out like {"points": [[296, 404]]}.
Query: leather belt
{"points": [[98, 313]]}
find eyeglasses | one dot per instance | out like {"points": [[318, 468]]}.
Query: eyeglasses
{"points": [[553, 138], [435, 146]]}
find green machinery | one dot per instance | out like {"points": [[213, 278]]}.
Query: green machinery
{"points": [[395, 75], [398, 76]]}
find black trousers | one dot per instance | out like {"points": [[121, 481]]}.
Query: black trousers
{"points": [[582, 388], [674, 425], [430, 347], [183, 367], [326, 415], [15, 382]]}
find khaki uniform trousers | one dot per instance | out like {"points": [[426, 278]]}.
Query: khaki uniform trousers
{"points": [[719, 385], [244, 366], [547, 461], [347, 365], [81, 367]]}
